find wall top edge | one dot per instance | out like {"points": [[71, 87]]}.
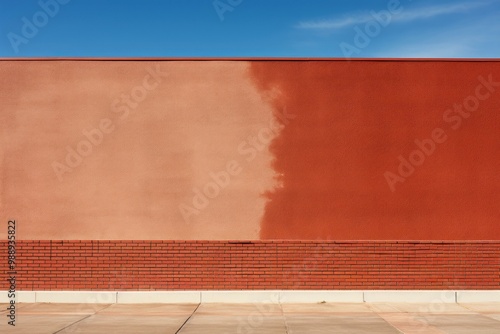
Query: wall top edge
{"points": [[339, 59], [237, 242]]}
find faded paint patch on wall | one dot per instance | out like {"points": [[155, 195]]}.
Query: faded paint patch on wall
{"points": [[119, 149]]}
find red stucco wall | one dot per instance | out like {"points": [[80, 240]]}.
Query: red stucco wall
{"points": [[355, 119]]}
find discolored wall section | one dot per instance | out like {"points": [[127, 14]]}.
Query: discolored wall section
{"points": [[121, 149]]}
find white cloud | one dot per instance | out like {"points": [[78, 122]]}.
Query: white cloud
{"points": [[430, 50], [335, 23], [475, 39], [407, 15], [432, 11]]}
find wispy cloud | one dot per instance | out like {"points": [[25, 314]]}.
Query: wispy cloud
{"points": [[407, 15], [435, 49], [335, 23], [478, 38], [433, 11]]}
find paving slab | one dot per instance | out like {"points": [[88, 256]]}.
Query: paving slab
{"points": [[232, 325], [103, 323], [42, 318], [345, 324], [40, 324], [135, 318], [482, 307], [3, 307], [236, 318], [410, 323], [433, 318], [322, 308], [419, 308], [463, 323], [235, 310], [184, 310], [495, 316], [55, 309]]}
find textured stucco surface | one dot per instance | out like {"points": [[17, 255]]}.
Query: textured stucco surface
{"points": [[318, 174], [354, 120]]}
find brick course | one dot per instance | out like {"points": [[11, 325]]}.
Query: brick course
{"points": [[235, 265]]}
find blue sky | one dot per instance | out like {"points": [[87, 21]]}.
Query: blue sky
{"points": [[254, 28]]}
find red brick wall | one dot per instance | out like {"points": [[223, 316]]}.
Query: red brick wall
{"points": [[190, 265]]}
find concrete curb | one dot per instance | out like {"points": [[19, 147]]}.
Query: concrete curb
{"points": [[410, 296], [256, 296], [83, 297], [317, 296], [478, 296], [161, 297]]}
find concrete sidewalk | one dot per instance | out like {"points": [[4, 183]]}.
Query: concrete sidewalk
{"points": [[372, 318]]}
